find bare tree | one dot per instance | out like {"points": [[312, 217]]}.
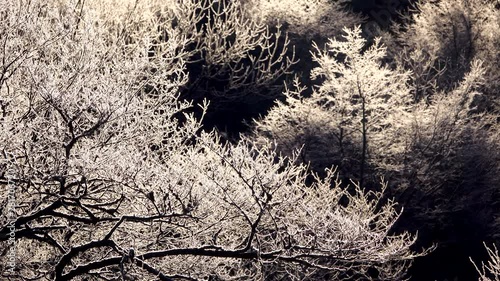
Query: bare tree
{"points": [[354, 104], [358, 88], [450, 150], [453, 34], [309, 18], [491, 270], [235, 53], [109, 184]]}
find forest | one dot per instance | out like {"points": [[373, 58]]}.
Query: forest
{"points": [[249, 140]]}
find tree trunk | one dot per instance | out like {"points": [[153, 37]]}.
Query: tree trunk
{"points": [[363, 152]]}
